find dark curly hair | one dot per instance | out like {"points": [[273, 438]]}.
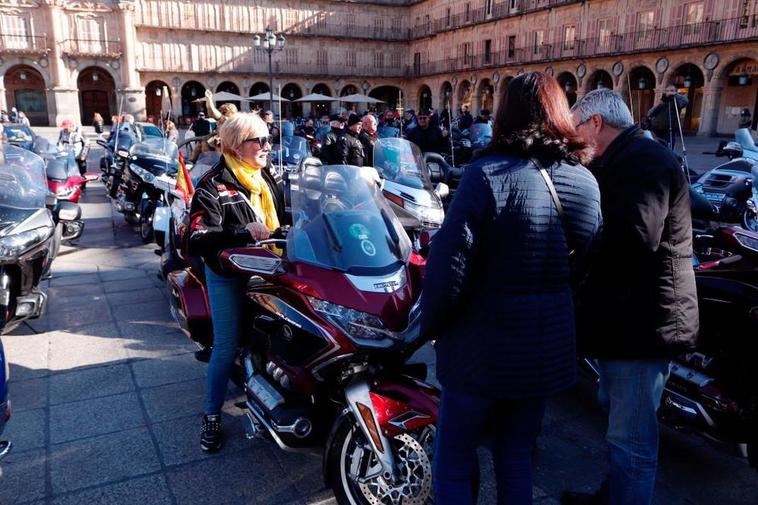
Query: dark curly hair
{"points": [[533, 121]]}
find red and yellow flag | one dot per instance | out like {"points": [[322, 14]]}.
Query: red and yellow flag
{"points": [[183, 180]]}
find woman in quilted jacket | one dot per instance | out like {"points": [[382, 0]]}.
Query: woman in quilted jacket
{"points": [[498, 288]]}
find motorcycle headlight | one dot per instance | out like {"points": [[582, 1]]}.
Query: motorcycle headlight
{"points": [[427, 215], [465, 143], [363, 327], [142, 173], [747, 241], [123, 153], [14, 245]]}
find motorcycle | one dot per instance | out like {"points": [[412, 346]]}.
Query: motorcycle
{"points": [[152, 168], [289, 154], [713, 391], [63, 174], [332, 323], [5, 405], [408, 187], [115, 160], [28, 238]]}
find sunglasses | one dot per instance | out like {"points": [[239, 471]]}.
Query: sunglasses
{"points": [[261, 141], [422, 118]]}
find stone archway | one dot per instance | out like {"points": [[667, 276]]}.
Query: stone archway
{"points": [[25, 90], [321, 108], [228, 87], [424, 97], [740, 91], [569, 86], [689, 81], [642, 92], [465, 95], [292, 92], [388, 94], [485, 96], [192, 91], [97, 93], [154, 100], [600, 79]]}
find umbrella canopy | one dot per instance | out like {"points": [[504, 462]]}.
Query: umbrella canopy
{"points": [[358, 98], [316, 97], [224, 96], [265, 97]]}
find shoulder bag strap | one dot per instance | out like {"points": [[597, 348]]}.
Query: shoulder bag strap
{"points": [[556, 199]]}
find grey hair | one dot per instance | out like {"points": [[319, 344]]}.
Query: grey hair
{"points": [[608, 105]]}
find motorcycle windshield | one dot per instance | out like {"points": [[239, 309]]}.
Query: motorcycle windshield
{"points": [[388, 132], [17, 133], [292, 150], [60, 163], [481, 135], [121, 141], [342, 222], [158, 155], [401, 161], [322, 131], [23, 183]]}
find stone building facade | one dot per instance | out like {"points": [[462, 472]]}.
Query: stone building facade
{"points": [[67, 59]]}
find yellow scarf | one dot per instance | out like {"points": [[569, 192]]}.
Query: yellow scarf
{"points": [[260, 194]]}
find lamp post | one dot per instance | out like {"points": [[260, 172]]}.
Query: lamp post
{"points": [[270, 42]]}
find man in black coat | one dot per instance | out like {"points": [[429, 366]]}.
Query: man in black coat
{"points": [[368, 137], [328, 153], [638, 308], [349, 148], [428, 138], [664, 118]]}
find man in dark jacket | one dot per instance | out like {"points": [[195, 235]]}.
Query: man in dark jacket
{"points": [[328, 153], [664, 118], [349, 148], [368, 138], [638, 308], [429, 139], [465, 120]]}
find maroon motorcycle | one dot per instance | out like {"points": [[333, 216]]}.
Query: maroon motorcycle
{"points": [[332, 319]]}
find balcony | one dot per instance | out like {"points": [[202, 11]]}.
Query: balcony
{"points": [[23, 44], [92, 48], [742, 29]]}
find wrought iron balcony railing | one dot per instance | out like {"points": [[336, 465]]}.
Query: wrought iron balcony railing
{"points": [[742, 29], [92, 47], [23, 44]]}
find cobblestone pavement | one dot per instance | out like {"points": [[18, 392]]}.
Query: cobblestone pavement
{"points": [[107, 395]]}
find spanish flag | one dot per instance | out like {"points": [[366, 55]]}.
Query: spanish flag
{"points": [[183, 180]]}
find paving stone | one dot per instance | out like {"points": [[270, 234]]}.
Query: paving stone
{"points": [[179, 439], [28, 394], [90, 383], [243, 477], [128, 298], [26, 430], [303, 470], [28, 355], [120, 274], [154, 310], [66, 302], [69, 351], [75, 280], [167, 370], [64, 267], [88, 418], [82, 290], [161, 345], [106, 330], [101, 460], [128, 285], [174, 400], [63, 320], [150, 490], [23, 479], [143, 330]]}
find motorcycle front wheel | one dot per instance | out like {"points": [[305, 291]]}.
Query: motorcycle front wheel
{"points": [[750, 220], [355, 472]]}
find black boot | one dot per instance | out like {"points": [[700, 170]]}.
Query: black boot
{"points": [[211, 439]]}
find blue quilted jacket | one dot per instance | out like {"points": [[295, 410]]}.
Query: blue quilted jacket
{"points": [[497, 291]]}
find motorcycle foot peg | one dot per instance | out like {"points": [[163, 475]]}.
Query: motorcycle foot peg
{"points": [[252, 430]]}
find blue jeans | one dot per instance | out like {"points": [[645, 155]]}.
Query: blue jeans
{"points": [[225, 295], [462, 422], [631, 392]]}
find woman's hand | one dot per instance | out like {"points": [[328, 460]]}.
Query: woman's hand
{"points": [[258, 231], [209, 94]]}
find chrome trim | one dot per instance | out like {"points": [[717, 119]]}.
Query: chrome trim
{"points": [[358, 392], [258, 416], [328, 362], [379, 284], [259, 264]]}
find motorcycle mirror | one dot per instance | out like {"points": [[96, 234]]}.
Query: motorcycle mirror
{"points": [[732, 150], [442, 190], [72, 230], [67, 211]]}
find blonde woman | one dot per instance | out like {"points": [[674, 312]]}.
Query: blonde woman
{"points": [[235, 203]]}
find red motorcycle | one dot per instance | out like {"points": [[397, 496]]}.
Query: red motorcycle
{"points": [[331, 324], [64, 177]]}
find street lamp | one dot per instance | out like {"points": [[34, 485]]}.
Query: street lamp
{"points": [[269, 43]]}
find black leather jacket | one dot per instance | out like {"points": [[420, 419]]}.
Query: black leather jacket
{"points": [[349, 149]]}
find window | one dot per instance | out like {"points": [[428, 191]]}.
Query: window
{"points": [[378, 27], [487, 7], [350, 60], [467, 13], [379, 60], [447, 17], [16, 31], [569, 37], [513, 4], [511, 46], [604, 33], [646, 21], [468, 55], [417, 63], [322, 60], [291, 56], [693, 13], [395, 60], [488, 51], [539, 38], [90, 34]]}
